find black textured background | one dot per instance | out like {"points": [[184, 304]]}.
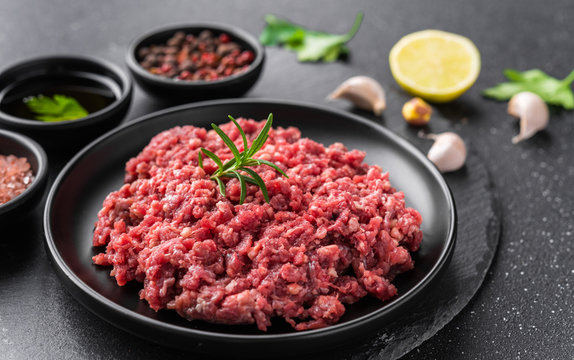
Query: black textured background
{"points": [[524, 309]]}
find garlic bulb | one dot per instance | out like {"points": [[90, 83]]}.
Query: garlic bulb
{"points": [[448, 152], [364, 92], [531, 110]]}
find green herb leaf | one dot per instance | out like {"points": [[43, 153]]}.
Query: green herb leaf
{"points": [[221, 186], [200, 159], [242, 184], [56, 108], [261, 137], [279, 31], [551, 90], [227, 142], [309, 45], [248, 179], [226, 166], [259, 182], [326, 47], [213, 157], [241, 160], [243, 137], [268, 163]]}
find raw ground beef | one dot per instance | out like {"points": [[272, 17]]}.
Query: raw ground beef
{"points": [[334, 231]]}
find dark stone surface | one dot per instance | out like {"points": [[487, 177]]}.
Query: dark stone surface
{"points": [[524, 309]]}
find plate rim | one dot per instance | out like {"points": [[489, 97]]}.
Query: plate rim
{"points": [[72, 279]]}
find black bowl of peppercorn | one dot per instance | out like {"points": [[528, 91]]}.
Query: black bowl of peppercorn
{"points": [[199, 61]]}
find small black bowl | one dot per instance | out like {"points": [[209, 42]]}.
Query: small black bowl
{"points": [[186, 91], [102, 88], [22, 146]]}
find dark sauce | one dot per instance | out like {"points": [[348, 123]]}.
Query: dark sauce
{"points": [[91, 92]]}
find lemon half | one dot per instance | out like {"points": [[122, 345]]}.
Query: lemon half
{"points": [[436, 65]]}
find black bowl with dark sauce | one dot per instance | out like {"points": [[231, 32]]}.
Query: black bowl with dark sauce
{"points": [[92, 94], [100, 88]]}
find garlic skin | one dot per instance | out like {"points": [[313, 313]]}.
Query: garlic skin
{"points": [[364, 92], [531, 110], [448, 152]]}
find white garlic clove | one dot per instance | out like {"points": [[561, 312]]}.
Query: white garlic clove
{"points": [[448, 152], [531, 110], [364, 92]]}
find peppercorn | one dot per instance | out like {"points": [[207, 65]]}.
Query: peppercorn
{"points": [[196, 57], [224, 38]]}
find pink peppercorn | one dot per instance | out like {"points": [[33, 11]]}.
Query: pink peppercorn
{"points": [[166, 68], [224, 38]]}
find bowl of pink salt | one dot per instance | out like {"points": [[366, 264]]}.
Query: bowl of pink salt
{"points": [[23, 173]]}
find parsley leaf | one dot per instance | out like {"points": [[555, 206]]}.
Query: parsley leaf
{"points": [[56, 108], [309, 45], [279, 32], [551, 90]]}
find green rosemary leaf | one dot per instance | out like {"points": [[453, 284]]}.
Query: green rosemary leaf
{"points": [[213, 157], [229, 164], [269, 163], [221, 186], [261, 137], [249, 179], [239, 162], [245, 145], [227, 142], [200, 159], [233, 176], [251, 162], [259, 182], [242, 184]]}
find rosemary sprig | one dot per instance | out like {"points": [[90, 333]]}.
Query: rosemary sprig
{"points": [[240, 161]]}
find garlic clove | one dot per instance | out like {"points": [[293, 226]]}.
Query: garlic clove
{"points": [[448, 152], [531, 110], [364, 92]]}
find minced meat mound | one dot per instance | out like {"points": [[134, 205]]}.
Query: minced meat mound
{"points": [[334, 231]]}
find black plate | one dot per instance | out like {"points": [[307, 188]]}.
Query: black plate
{"points": [[81, 187]]}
